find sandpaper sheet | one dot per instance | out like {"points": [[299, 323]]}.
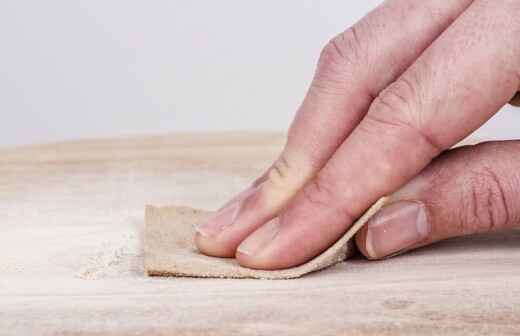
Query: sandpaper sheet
{"points": [[169, 248]]}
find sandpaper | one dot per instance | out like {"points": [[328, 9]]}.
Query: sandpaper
{"points": [[169, 248]]}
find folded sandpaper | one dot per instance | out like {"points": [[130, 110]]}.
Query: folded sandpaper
{"points": [[169, 248]]}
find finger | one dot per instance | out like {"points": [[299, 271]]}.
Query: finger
{"points": [[439, 100], [353, 68], [468, 190]]}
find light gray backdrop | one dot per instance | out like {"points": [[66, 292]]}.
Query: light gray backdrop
{"points": [[88, 68]]}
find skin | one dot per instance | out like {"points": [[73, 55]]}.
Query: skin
{"points": [[391, 95]]}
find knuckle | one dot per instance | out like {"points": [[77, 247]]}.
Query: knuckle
{"points": [[279, 173], [485, 205], [399, 98], [286, 177], [343, 59], [344, 49], [397, 111], [338, 60], [323, 193], [320, 192]]}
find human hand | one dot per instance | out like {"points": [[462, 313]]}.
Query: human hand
{"points": [[390, 94]]}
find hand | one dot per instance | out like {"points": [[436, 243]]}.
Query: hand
{"points": [[390, 94]]}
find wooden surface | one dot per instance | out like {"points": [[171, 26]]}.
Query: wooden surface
{"points": [[71, 217]]}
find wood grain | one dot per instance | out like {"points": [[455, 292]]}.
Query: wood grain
{"points": [[71, 220]]}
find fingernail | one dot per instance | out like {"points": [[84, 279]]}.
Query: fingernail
{"points": [[396, 227], [260, 238], [226, 216], [222, 219]]}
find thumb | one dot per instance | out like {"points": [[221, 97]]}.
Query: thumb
{"points": [[467, 190]]}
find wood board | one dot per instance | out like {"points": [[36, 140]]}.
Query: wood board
{"points": [[71, 220]]}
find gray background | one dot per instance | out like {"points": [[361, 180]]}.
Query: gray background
{"points": [[81, 69]]}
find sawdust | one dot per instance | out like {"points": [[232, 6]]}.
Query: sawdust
{"points": [[111, 259]]}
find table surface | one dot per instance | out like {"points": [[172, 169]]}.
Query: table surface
{"points": [[71, 254]]}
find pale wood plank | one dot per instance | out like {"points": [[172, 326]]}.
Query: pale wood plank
{"points": [[71, 216]]}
